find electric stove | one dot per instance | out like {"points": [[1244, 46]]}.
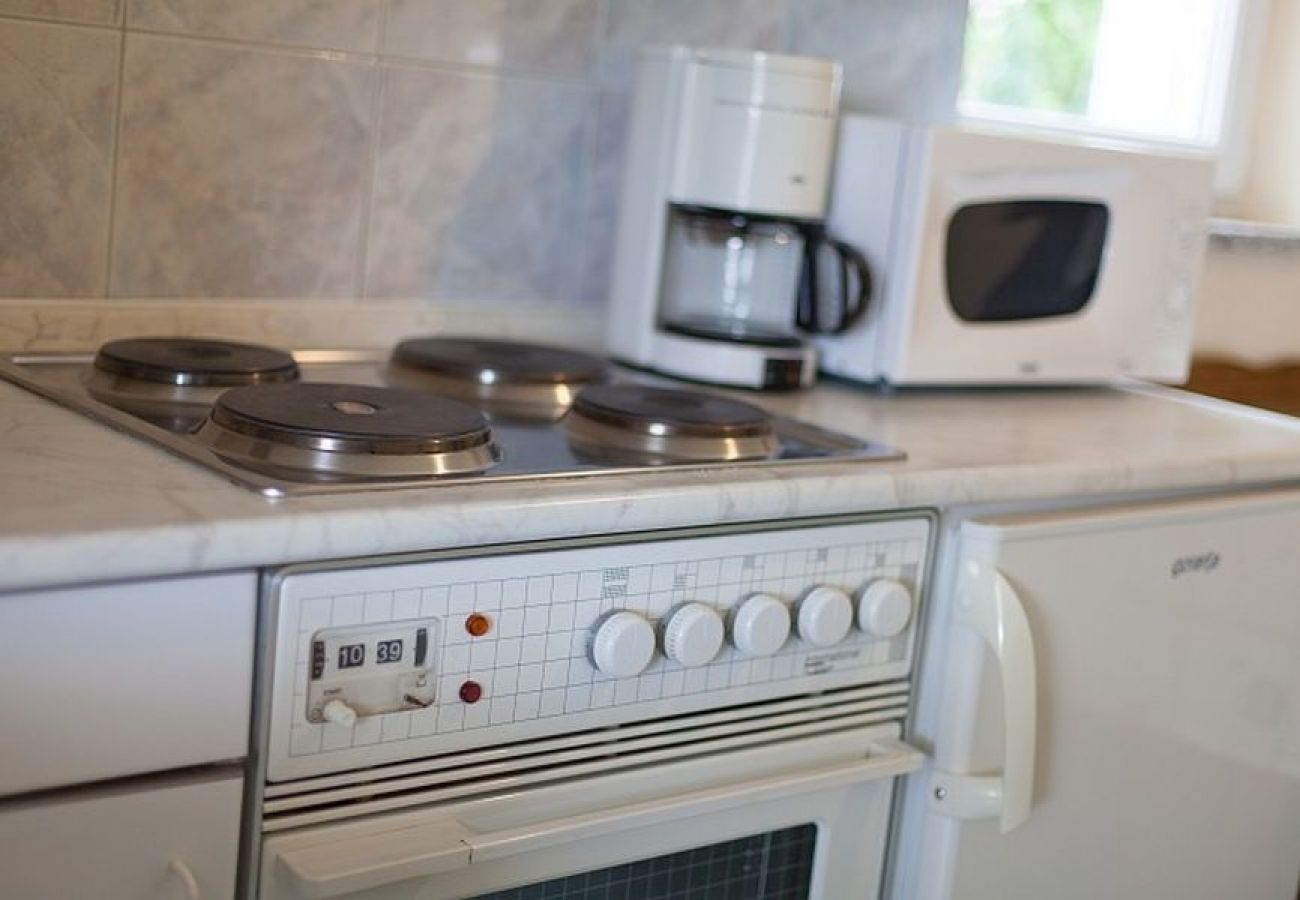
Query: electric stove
{"points": [[437, 410]]}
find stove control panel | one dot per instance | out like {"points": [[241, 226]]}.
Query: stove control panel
{"points": [[371, 670], [389, 662]]}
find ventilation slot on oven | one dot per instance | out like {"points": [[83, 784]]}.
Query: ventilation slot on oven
{"points": [[511, 766]]}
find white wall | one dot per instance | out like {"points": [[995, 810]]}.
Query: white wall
{"points": [[1271, 192], [1249, 306]]}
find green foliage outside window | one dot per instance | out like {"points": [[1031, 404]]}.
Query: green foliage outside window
{"points": [[1031, 53]]}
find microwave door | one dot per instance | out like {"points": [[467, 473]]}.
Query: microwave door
{"points": [[811, 814], [1039, 262], [1114, 708], [1013, 276]]}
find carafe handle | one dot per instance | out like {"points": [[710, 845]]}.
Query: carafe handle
{"points": [[849, 305]]}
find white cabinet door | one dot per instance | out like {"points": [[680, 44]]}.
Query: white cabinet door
{"points": [[177, 840], [1164, 759], [106, 681]]}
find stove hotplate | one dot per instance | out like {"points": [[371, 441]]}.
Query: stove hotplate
{"points": [[349, 421]]}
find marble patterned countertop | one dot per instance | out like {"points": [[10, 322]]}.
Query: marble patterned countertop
{"points": [[83, 503]]}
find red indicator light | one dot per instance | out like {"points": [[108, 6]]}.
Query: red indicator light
{"points": [[471, 692]]}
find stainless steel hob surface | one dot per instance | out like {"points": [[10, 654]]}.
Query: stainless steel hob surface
{"points": [[351, 420]]}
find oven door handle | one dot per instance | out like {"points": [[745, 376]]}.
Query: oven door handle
{"points": [[366, 861]]}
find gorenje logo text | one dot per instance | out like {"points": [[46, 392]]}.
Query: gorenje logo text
{"points": [[1202, 562]]}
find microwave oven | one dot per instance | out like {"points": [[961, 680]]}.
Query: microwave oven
{"points": [[1005, 259]]}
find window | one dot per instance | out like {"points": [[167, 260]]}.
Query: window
{"points": [[1152, 69]]}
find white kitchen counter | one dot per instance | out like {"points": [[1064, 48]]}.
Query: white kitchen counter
{"points": [[81, 502]]}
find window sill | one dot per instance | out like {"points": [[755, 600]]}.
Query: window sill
{"points": [[1244, 233], [1045, 124]]}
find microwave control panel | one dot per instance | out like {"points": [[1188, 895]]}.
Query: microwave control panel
{"points": [[390, 662]]}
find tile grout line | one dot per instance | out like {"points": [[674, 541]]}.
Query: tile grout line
{"points": [[787, 27], [263, 45], [353, 57], [595, 74], [586, 185], [473, 70], [591, 150], [114, 159], [50, 20], [370, 173]]}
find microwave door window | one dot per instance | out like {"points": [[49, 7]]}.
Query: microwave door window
{"points": [[1024, 259]]}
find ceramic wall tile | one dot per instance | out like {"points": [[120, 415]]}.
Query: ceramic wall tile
{"points": [[632, 24], [240, 172], [478, 188], [336, 24], [604, 186], [253, 164], [900, 59], [81, 325], [58, 88], [94, 12], [552, 37]]}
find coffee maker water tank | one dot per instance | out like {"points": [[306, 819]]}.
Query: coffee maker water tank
{"points": [[757, 134]]}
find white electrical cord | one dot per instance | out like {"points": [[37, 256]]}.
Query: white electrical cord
{"points": [[182, 871]]}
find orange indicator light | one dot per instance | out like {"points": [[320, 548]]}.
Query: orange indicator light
{"points": [[478, 624]]}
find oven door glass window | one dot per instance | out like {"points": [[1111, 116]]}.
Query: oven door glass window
{"points": [[1024, 259], [777, 865]]}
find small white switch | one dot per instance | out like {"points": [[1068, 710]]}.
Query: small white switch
{"points": [[339, 713]]}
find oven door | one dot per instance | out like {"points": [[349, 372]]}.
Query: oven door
{"points": [[795, 819]]}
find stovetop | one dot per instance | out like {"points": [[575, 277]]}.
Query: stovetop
{"points": [[520, 449]]}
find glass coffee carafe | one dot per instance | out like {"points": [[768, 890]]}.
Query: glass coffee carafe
{"points": [[755, 280]]}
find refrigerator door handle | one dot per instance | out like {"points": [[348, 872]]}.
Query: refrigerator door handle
{"points": [[989, 606]]}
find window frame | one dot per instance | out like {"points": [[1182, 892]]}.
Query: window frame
{"points": [[1234, 86]]}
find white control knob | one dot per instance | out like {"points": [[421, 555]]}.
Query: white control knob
{"points": [[622, 644], [339, 713], [760, 625], [693, 635], [825, 616], [884, 608]]}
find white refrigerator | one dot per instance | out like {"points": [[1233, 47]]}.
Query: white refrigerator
{"points": [[1110, 700]]}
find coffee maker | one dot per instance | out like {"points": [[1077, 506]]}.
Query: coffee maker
{"points": [[721, 261]]}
